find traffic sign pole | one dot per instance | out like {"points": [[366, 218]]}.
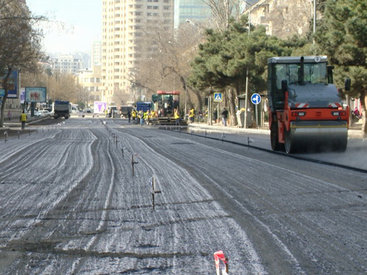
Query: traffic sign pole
{"points": [[256, 99]]}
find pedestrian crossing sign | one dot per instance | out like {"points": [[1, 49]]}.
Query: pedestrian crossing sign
{"points": [[218, 97]]}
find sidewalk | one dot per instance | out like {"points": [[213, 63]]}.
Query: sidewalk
{"points": [[353, 132], [16, 124]]}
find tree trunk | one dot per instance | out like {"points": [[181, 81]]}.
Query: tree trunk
{"points": [[198, 96], [2, 111], [5, 87], [232, 107], [363, 99], [184, 86]]}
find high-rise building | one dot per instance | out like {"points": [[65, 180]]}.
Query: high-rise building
{"points": [[96, 54], [191, 10], [126, 24]]}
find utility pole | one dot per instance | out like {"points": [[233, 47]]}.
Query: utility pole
{"points": [[246, 92], [314, 17], [314, 21]]}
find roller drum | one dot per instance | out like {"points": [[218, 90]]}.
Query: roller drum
{"points": [[316, 134]]}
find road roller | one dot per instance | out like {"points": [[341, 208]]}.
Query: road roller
{"points": [[306, 110]]}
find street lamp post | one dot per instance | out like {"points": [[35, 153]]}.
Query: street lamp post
{"points": [[185, 103], [314, 16], [246, 91], [188, 21], [314, 19]]}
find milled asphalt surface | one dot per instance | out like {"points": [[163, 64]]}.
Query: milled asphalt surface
{"points": [[70, 205]]}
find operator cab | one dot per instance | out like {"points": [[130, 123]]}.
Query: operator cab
{"points": [[308, 80]]}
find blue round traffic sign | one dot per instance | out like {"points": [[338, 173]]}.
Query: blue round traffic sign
{"points": [[255, 98]]}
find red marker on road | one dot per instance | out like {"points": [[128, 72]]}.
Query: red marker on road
{"points": [[221, 263]]}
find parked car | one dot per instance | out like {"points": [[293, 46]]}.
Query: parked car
{"points": [[35, 113], [44, 113]]}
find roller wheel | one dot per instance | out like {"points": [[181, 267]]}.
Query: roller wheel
{"points": [[274, 140], [341, 145], [289, 145]]}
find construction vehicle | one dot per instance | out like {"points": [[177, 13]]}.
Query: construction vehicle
{"points": [[306, 110], [125, 109], [143, 106], [112, 112], [61, 108], [164, 104]]}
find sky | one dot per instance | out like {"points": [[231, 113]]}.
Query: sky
{"points": [[72, 25]]}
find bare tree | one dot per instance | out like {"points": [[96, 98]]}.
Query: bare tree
{"points": [[223, 10], [61, 86], [20, 42], [168, 67]]}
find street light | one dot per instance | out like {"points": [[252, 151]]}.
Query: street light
{"points": [[188, 21], [246, 91], [314, 16], [314, 20]]}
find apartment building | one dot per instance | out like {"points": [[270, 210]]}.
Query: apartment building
{"points": [[66, 64], [127, 24], [90, 80]]}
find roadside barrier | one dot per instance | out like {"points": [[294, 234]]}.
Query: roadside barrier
{"points": [[249, 141], [133, 163], [154, 191]]}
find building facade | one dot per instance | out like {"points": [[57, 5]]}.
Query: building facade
{"points": [[126, 24], [66, 64], [191, 11], [282, 18], [90, 81], [96, 56]]}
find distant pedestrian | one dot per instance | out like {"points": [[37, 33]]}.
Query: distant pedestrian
{"points": [[133, 115], [192, 115], [129, 115], [9, 115], [356, 113], [224, 116], [146, 117], [23, 119], [215, 116], [177, 117], [141, 117]]}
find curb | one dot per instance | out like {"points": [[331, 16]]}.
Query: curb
{"points": [[227, 129], [352, 133], [29, 122]]}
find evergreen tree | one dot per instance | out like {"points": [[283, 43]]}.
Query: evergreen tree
{"points": [[342, 36], [226, 56]]}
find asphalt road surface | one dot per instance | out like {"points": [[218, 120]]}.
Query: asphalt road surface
{"points": [[70, 204]]}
